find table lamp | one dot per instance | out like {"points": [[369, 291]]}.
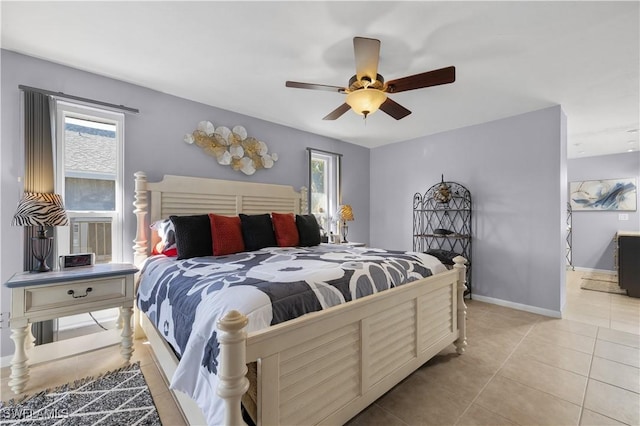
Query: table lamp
{"points": [[40, 209], [345, 213]]}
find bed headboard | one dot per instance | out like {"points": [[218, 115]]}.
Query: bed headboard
{"points": [[183, 195]]}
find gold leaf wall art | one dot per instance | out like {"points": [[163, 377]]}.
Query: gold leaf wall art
{"points": [[232, 147]]}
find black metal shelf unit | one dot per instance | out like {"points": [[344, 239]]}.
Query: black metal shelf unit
{"points": [[442, 221]]}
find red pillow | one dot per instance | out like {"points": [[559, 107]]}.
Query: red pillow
{"points": [[284, 225], [226, 234]]}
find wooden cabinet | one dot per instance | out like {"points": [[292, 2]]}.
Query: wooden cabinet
{"points": [[628, 262]]}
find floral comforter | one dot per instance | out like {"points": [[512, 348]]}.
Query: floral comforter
{"points": [[185, 298]]}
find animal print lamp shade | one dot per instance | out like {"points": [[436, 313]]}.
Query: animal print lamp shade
{"points": [[39, 209]]}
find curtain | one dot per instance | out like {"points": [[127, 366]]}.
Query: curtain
{"points": [[38, 177]]}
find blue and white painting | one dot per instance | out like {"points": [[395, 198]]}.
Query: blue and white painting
{"points": [[610, 194]]}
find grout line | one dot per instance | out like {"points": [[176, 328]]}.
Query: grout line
{"points": [[586, 388], [614, 386], [494, 375], [383, 409]]}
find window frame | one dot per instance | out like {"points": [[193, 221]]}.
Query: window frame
{"points": [[66, 109], [333, 181]]}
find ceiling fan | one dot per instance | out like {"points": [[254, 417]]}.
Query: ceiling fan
{"points": [[367, 90]]}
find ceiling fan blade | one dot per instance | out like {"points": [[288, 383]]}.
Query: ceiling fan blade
{"points": [[367, 53], [336, 113], [394, 109], [425, 79], [298, 85]]}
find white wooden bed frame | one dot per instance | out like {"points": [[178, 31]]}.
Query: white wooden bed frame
{"points": [[321, 368]]}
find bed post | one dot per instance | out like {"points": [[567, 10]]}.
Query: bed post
{"points": [[304, 200], [141, 206], [461, 342], [140, 251], [232, 368]]}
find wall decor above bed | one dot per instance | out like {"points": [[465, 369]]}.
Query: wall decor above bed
{"points": [[232, 147]]}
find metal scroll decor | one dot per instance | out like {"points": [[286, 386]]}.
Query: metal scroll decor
{"points": [[442, 222], [232, 147]]}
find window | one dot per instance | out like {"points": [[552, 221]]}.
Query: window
{"points": [[89, 176], [324, 187]]}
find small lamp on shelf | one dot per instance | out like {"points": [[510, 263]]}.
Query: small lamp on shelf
{"points": [[40, 209], [345, 213]]}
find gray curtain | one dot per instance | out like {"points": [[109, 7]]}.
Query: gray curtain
{"points": [[38, 177]]}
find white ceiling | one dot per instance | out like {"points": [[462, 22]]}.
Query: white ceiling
{"points": [[510, 58]]}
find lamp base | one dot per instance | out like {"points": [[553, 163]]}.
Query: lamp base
{"points": [[41, 267], [345, 230], [41, 248]]}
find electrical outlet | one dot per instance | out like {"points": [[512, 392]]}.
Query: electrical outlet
{"points": [[623, 216], [4, 319]]}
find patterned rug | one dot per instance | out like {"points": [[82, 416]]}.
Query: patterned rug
{"points": [[119, 397], [602, 282]]}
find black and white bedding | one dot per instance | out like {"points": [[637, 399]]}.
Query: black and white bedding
{"points": [[185, 298]]}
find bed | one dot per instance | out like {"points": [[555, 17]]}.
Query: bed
{"points": [[354, 352]]}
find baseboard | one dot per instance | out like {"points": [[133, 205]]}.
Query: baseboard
{"points": [[518, 306], [600, 271], [5, 361]]}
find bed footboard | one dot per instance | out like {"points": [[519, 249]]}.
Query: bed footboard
{"points": [[325, 367]]}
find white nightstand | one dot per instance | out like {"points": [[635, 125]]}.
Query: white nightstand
{"points": [[346, 245], [353, 244], [48, 295]]}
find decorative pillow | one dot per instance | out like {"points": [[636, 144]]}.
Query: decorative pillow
{"points": [[226, 234], [257, 231], [444, 256], [193, 236], [167, 233], [308, 230], [284, 225]]}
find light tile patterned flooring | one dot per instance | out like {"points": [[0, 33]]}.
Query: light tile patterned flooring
{"points": [[519, 368]]}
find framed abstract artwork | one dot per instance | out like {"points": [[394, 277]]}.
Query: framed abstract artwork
{"points": [[599, 195]]}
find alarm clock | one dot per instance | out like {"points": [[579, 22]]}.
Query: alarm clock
{"points": [[74, 260]]}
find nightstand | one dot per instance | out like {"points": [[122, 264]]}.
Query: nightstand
{"points": [[48, 295], [353, 244]]}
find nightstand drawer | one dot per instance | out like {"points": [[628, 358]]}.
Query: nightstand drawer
{"points": [[74, 293]]}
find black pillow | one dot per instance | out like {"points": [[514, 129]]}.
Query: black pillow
{"points": [[444, 256], [257, 231], [193, 236], [308, 229]]}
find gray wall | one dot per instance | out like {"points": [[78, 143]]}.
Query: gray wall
{"points": [[153, 143], [515, 169], [593, 231]]}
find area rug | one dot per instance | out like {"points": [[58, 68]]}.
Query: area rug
{"points": [[602, 282], [119, 397]]}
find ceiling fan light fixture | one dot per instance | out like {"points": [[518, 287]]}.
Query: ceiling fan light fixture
{"points": [[366, 101]]}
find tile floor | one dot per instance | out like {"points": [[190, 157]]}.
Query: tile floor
{"points": [[519, 368]]}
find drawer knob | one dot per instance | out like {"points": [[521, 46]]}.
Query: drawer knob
{"points": [[86, 293]]}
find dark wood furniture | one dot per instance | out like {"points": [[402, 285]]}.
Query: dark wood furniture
{"points": [[629, 262]]}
